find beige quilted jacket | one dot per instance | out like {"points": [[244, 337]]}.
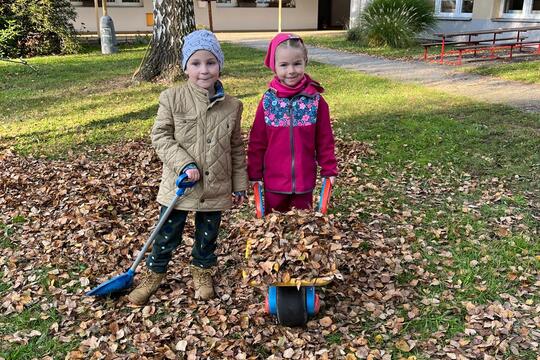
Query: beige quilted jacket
{"points": [[190, 129]]}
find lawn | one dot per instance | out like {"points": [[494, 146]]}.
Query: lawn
{"points": [[446, 188], [526, 71], [340, 42]]}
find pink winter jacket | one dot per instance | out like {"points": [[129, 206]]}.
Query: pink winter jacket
{"points": [[291, 135]]}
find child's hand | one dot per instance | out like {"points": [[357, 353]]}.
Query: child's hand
{"points": [[193, 174], [239, 197]]}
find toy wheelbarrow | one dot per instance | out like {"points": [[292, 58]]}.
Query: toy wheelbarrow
{"points": [[293, 303], [125, 281]]}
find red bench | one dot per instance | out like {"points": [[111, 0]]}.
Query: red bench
{"points": [[492, 48], [491, 41]]}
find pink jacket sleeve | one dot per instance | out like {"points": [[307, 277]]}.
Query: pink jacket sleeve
{"points": [[257, 146], [326, 157]]}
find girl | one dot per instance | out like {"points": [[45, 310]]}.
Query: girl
{"points": [[197, 131], [291, 132]]}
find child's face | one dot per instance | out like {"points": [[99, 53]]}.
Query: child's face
{"points": [[202, 69], [290, 65]]}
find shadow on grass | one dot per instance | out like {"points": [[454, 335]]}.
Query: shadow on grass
{"points": [[475, 138], [44, 136], [56, 75]]}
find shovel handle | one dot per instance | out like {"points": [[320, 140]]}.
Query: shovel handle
{"points": [[182, 185], [154, 234]]}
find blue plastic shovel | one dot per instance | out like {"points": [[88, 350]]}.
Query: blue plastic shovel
{"points": [[125, 280]]}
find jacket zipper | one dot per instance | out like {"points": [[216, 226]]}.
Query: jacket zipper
{"points": [[291, 132]]}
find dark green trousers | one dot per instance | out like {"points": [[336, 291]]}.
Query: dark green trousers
{"points": [[170, 236]]}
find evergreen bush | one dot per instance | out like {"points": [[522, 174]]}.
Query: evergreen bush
{"points": [[37, 27]]}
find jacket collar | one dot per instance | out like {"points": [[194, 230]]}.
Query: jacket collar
{"points": [[220, 92], [307, 87], [202, 94]]}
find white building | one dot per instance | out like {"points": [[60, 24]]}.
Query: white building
{"points": [[258, 15], [227, 15]]}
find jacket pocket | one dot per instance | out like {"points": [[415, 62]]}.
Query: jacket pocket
{"points": [[185, 129]]}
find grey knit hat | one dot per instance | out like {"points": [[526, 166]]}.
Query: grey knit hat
{"points": [[201, 40]]}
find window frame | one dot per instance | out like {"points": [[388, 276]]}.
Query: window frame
{"points": [[233, 3], [120, 3], [257, 4], [457, 14], [526, 13], [114, 3]]}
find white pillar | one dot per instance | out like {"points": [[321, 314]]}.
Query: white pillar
{"points": [[356, 9]]}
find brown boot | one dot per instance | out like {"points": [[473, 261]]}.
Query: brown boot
{"points": [[202, 281], [146, 288]]}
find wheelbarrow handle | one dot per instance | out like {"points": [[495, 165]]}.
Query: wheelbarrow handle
{"points": [[182, 185]]}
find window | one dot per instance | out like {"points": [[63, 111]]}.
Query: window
{"points": [[454, 8], [467, 6], [513, 6], [255, 3], [520, 8], [90, 3], [124, 2]]}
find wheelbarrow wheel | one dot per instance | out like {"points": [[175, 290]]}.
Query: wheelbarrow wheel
{"points": [[291, 306]]}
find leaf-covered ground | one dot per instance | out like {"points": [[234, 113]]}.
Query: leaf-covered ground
{"points": [[406, 290]]}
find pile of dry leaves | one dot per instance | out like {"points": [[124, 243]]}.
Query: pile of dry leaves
{"points": [[76, 222], [293, 247]]}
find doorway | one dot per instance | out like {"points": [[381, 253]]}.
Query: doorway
{"points": [[333, 14]]}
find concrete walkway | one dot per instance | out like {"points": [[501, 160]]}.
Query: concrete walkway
{"points": [[445, 78]]}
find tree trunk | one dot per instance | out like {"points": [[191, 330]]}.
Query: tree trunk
{"points": [[173, 19]]}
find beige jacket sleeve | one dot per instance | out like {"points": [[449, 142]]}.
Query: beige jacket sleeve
{"points": [[239, 170], [171, 153]]}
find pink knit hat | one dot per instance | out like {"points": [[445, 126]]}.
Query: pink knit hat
{"points": [[270, 59]]}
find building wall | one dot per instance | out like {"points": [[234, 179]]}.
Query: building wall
{"points": [[133, 19], [483, 9], [486, 15], [302, 17], [129, 19]]}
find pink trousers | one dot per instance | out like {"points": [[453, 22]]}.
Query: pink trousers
{"points": [[285, 202]]}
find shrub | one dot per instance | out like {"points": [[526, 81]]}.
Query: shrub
{"points": [[354, 34], [393, 23], [36, 27]]}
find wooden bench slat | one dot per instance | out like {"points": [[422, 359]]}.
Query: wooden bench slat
{"points": [[449, 43], [503, 39], [489, 46]]}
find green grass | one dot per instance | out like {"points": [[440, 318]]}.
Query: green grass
{"points": [[525, 71], [32, 318], [55, 111], [333, 338], [74, 101], [38, 346], [86, 100], [340, 42]]}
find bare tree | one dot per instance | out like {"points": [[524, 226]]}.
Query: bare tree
{"points": [[173, 19]]}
